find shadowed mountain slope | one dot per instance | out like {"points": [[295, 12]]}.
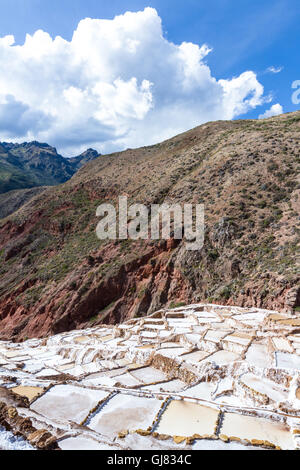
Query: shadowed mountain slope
{"points": [[35, 164]]}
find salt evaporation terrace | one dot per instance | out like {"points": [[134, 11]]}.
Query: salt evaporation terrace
{"points": [[195, 377]]}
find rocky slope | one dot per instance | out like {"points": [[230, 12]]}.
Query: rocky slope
{"points": [[56, 275], [12, 200], [35, 164]]}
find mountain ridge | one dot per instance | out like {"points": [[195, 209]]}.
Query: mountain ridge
{"points": [[55, 275], [33, 164]]}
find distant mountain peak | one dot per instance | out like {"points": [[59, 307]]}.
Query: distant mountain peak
{"points": [[31, 164]]}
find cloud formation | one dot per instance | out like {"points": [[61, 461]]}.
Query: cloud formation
{"points": [[273, 69], [275, 110], [118, 83]]}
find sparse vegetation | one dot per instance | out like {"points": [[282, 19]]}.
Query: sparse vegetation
{"points": [[245, 174]]}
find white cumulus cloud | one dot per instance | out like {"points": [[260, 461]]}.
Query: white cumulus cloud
{"points": [[118, 83], [275, 110]]}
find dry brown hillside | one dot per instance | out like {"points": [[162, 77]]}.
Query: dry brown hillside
{"points": [[56, 275]]}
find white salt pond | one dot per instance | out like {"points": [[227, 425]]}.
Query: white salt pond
{"points": [[282, 344], [126, 380], [171, 352], [183, 418], [265, 386], [148, 375], [174, 386], [260, 429], [125, 412], [287, 361], [68, 402], [203, 390], [211, 444], [222, 357], [258, 355], [195, 356]]}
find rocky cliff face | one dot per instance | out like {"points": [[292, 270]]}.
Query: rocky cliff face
{"points": [[56, 275], [34, 164]]}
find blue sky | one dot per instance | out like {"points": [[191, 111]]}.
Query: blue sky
{"points": [[243, 35]]}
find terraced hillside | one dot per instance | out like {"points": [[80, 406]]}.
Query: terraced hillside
{"points": [[57, 276], [194, 377]]}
